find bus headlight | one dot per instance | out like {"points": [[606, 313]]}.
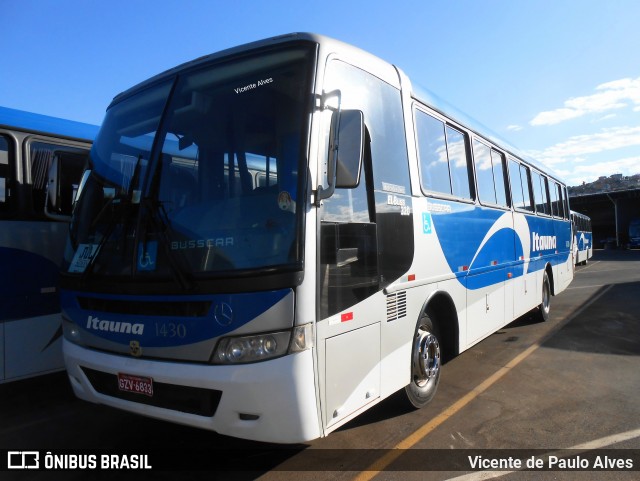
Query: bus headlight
{"points": [[71, 331], [260, 347]]}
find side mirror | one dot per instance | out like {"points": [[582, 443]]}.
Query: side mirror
{"points": [[350, 149], [53, 202], [64, 184], [53, 191], [346, 152]]}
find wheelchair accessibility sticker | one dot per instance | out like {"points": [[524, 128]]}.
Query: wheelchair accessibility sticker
{"points": [[147, 256], [426, 223]]}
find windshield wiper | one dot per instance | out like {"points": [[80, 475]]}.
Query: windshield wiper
{"points": [[120, 212]]}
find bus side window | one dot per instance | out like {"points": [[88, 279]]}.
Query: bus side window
{"points": [[492, 186], [6, 174], [484, 172], [520, 177], [70, 162], [525, 176], [432, 149], [553, 198], [559, 207], [458, 163], [540, 193], [444, 165], [517, 197], [502, 190]]}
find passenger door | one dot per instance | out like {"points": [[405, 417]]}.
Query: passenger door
{"points": [[365, 243]]}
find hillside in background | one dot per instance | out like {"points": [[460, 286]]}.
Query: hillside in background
{"points": [[607, 184]]}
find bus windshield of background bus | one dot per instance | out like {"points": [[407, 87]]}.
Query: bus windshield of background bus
{"points": [[200, 173]]}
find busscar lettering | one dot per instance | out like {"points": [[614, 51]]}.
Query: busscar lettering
{"points": [[202, 243]]}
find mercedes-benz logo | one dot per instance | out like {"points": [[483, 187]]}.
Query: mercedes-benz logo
{"points": [[223, 314]]}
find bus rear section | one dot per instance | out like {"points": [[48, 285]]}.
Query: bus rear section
{"points": [[582, 237]]}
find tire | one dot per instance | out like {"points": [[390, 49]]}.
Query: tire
{"points": [[545, 305], [426, 362]]}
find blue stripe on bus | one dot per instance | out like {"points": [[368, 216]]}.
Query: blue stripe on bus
{"points": [[584, 240], [157, 331], [479, 261], [28, 287]]}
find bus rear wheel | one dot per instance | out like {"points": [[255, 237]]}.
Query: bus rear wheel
{"points": [[545, 306], [426, 361]]}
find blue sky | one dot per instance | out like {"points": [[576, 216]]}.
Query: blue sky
{"points": [[560, 79]]}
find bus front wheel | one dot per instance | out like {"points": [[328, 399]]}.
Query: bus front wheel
{"points": [[426, 361]]}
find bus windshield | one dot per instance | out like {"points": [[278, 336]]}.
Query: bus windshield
{"points": [[201, 174]]}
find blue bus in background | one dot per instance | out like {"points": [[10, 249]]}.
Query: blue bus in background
{"points": [[34, 214], [583, 237]]}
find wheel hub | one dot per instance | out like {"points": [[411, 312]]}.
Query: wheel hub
{"points": [[426, 363]]}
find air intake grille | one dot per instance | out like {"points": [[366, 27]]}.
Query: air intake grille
{"points": [[396, 305], [155, 308]]}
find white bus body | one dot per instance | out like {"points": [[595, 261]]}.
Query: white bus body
{"points": [[274, 238]]}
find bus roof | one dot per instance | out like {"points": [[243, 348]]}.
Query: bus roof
{"points": [[324, 41], [44, 124]]}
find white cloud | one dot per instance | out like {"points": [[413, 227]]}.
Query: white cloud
{"points": [[578, 174], [514, 128], [611, 95], [605, 117], [574, 160], [575, 148]]}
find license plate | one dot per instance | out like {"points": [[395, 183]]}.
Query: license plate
{"points": [[135, 384]]}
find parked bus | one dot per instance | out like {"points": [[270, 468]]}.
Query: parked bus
{"points": [[33, 233], [583, 237], [274, 238], [634, 233]]}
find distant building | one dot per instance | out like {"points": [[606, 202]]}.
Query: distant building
{"points": [[611, 202]]}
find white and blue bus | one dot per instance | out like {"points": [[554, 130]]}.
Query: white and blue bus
{"points": [[33, 233], [274, 238], [582, 237]]}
